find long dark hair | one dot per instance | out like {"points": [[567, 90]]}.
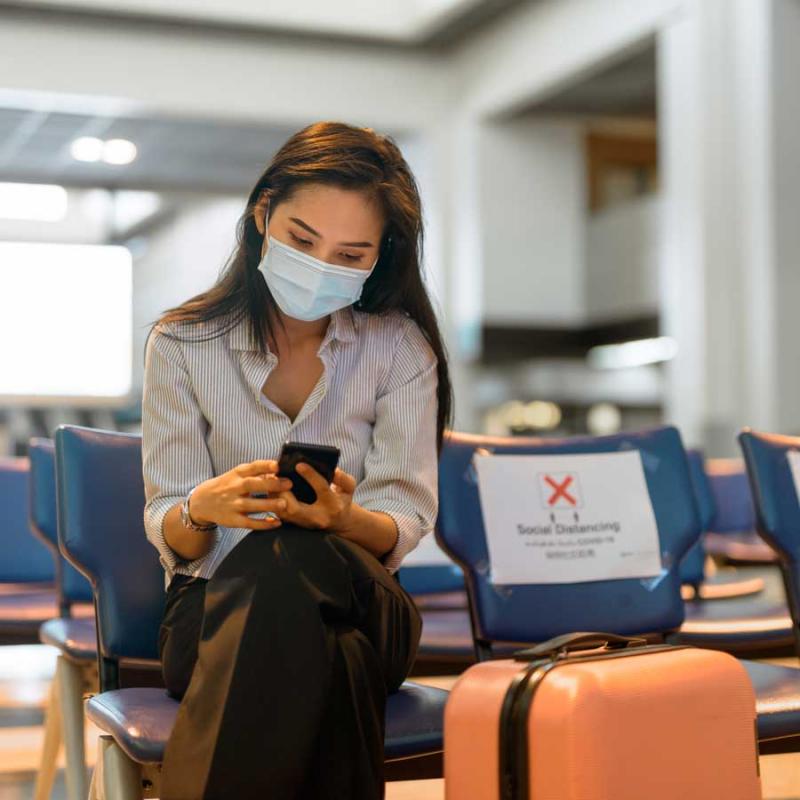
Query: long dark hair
{"points": [[351, 158]]}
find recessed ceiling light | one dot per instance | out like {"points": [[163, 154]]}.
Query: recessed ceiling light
{"points": [[33, 201], [119, 151], [87, 148]]}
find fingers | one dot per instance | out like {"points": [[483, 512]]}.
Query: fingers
{"points": [[318, 483], [344, 480], [261, 467], [261, 484], [250, 505], [254, 523], [292, 503]]}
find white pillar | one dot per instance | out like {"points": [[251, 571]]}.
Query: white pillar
{"points": [[717, 266], [445, 163], [785, 142]]}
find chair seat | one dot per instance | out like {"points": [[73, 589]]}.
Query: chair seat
{"points": [[727, 585], [27, 609], [140, 720], [447, 634], [740, 548], [745, 626], [31, 609], [25, 588], [441, 600], [75, 638], [778, 705]]}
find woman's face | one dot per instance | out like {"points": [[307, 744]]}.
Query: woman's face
{"points": [[338, 226]]}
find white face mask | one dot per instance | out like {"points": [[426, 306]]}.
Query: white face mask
{"points": [[306, 288]]}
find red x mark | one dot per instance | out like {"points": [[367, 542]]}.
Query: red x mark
{"points": [[560, 490]]}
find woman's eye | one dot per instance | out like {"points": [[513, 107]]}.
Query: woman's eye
{"points": [[354, 258], [305, 242]]}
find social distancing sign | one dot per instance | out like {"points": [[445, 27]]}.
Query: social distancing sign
{"points": [[567, 518]]}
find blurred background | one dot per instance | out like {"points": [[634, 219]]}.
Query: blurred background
{"points": [[610, 189]]}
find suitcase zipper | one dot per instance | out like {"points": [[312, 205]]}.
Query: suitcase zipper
{"points": [[507, 773], [514, 744]]}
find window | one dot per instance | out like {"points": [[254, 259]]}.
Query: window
{"points": [[65, 322]]}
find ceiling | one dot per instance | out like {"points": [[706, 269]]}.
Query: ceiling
{"points": [[174, 154], [399, 22], [624, 88]]}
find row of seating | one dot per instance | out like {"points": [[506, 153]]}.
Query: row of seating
{"points": [[747, 627], [95, 481], [535, 613]]}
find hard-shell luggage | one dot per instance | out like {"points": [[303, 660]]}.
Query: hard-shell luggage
{"points": [[603, 717]]}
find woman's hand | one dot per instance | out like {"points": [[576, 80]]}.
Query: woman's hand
{"points": [[332, 508], [226, 499]]}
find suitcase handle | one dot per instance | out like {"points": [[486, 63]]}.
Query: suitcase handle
{"points": [[562, 646]]}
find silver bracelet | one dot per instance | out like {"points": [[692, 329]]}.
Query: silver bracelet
{"points": [[186, 517]]}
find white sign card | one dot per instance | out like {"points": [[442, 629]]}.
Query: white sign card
{"points": [[793, 457], [567, 518]]}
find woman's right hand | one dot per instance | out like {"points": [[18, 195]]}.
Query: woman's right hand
{"points": [[226, 499]]}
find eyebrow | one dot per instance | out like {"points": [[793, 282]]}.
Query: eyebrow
{"points": [[314, 233]]}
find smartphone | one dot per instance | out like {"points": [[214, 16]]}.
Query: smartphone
{"points": [[323, 458]]}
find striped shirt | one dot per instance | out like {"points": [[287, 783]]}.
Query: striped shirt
{"points": [[204, 412]]}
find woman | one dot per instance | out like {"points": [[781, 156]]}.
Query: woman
{"points": [[284, 628]]}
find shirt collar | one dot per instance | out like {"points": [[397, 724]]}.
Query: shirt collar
{"points": [[342, 327]]}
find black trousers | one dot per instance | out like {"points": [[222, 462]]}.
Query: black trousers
{"points": [[283, 661]]}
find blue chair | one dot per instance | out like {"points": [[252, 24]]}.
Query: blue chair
{"points": [[423, 580], [434, 586], [733, 538], [535, 613], [745, 627], [72, 588], [692, 569], [27, 570], [101, 531], [75, 637], [776, 506], [697, 583], [733, 501]]}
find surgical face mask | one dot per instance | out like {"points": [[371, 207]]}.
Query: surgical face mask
{"points": [[307, 288]]}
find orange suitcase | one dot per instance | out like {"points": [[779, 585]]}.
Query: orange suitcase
{"points": [[602, 717]]}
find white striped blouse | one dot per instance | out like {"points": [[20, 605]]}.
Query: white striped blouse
{"points": [[203, 413]]}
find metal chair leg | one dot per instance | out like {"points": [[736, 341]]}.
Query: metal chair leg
{"points": [[94, 794], [96, 787], [72, 683], [122, 778], [51, 745]]}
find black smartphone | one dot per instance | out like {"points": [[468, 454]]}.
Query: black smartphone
{"points": [[323, 458]]}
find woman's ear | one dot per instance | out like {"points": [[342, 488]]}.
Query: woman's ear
{"points": [[261, 212]]}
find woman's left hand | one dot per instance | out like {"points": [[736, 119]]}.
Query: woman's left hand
{"points": [[331, 510]]}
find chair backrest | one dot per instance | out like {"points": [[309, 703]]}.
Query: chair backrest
{"points": [[101, 531], [693, 565], [71, 585], [529, 613], [776, 499], [732, 497], [23, 558], [420, 579], [777, 506]]}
